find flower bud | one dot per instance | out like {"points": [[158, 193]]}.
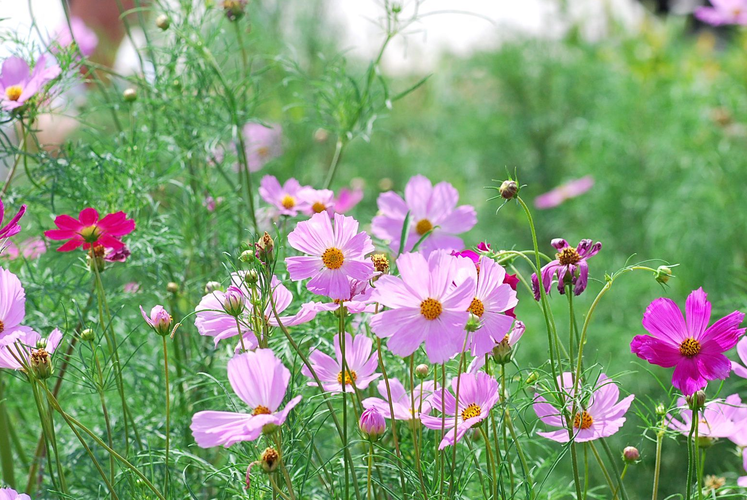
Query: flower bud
{"points": [[212, 286], [87, 335], [532, 378], [251, 278], [421, 371], [509, 189], [41, 364], [234, 301], [163, 22], [270, 460], [473, 323], [130, 95], [265, 246], [502, 352], [234, 9], [705, 441], [247, 256], [697, 400], [631, 454], [662, 274], [172, 287], [321, 135], [661, 410], [372, 424], [380, 262]]}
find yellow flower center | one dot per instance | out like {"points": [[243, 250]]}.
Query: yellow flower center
{"points": [[350, 377], [261, 410], [476, 307], [380, 262], [431, 309], [423, 226], [471, 411], [90, 233], [318, 207], [333, 258], [2, 326], [689, 347], [288, 202], [14, 92], [568, 256], [263, 151], [582, 420]]}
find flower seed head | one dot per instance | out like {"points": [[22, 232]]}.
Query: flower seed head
{"points": [[41, 364], [129, 95], [270, 460], [163, 22], [509, 189]]}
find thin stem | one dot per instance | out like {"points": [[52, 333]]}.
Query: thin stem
{"points": [[369, 489], [504, 428], [693, 427], [604, 470], [6, 454], [23, 153], [611, 458], [657, 465], [491, 460], [100, 390], [339, 146], [168, 405]]}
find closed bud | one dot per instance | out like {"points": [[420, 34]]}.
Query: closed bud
{"points": [[705, 441], [631, 454], [321, 135], [473, 323], [251, 278], [502, 352], [87, 335], [234, 9], [163, 22], [662, 274], [212, 286], [421, 371], [234, 301], [247, 256], [41, 364], [532, 378], [130, 95], [372, 424], [270, 460], [172, 287], [265, 246], [159, 320], [697, 400], [509, 189], [661, 410]]}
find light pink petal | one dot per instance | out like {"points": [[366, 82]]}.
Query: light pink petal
{"points": [[220, 428]]}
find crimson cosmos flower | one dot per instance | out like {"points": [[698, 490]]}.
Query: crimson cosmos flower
{"points": [[88, 230]]}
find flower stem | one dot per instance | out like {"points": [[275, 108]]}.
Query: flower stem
{"points": [[168, 406], [693, 427], [339, 146], [369, 489], [100, 390], [657, 465], [6, 454], [606, 474]]}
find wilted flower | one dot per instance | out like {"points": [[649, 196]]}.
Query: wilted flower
{"points": [[430, 208], [260, 380], [723, 12], [81, 35], [360, 363], [88, 230], [372, 424], [234, 9], [692, 347], [564, 192], [569, 265], [401, 401], [18, 83], [159, 320], [503, 350], [284, 198]]}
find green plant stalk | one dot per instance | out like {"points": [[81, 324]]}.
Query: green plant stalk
{"points": [[693, 427], [6, 454], [615, 472], [522, 458], [12, 171], [415, 442], [369, 489], [657, 464], [696, 456], [168, 407], [456, 415], [100, 390], [341, 333], [504, 428], [605, 473], [49, 437], [490, 459], [339, 146]]}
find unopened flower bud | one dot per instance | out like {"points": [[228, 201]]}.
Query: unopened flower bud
{"points": [[380, 262], [662, 274], [130, 95], [159, 320], [697, 400], [41, 364], [172, 287], [631, 454], [372, 424], [661, 410], [247, 256], [502, 352], [87, 335], [234, 301], [705, 441], [509, 189], [163, 22], [270, 460], [251, 278], [421, 371], [234, 9], [212, 286], [532, 378], [321, 135], [265, 246]]}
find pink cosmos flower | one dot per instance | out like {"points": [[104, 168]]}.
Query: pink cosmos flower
{"points": [[211, 203], [11, 494], [372, 423], [131, 287], [315, 201], [262, 144], [159, 320], [12, 303], [723, 12], [12, 228], [90, 231], [359, 301], [424, 306], [719, 419], [334, 256], [483, 248], [347, 199], [284, 198], [742, 480], [740, 370], [18, 83], [361, 365], [692, 347], [81, 34], [478, 393], [401, 400], [602, 417], [564, 192], [430, 207], [22, 343], [492, 299], [30, 248], [261, 381], [569, 265]]}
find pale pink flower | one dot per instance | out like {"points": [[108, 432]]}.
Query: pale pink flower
{"points": [[361, 365], [564, 192]]}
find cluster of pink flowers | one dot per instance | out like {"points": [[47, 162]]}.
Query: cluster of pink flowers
{"points": [[291, 198]]}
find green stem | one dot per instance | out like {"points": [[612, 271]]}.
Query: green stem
{"points": [[693, 427], [23, 153], [168, 406], [6, 454], [341, 333], [339, 146], [369, 489], [620, 477], [657, 465], [100, 390], [606, 474]]}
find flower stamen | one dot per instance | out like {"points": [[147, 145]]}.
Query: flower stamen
{"points": [[288, 202], [568, 256], [689, 347], [261, 410], [333, 258], [582, 420], [472, 411], [318, 207], [14, 92], [431, 308], [476, 307], [350, 377], [423, 226]]}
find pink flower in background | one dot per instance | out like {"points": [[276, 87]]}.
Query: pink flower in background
{"points": [[211, 203], [12, 303], [88, 230], [402, 400], [334, 255], [261, 381], [316, 201], [11, 494], [31, 248], [602, 417], [723, 12], [12, 228], [478, 393], [347, 199], [691, 346], [361, 365], [424, 306], [566, 191], [719, 419], [569, 265], [429, 206], [262, 144], [82, 35], [284, 198], [26, 341], [18, 83], [740, 370], [131, 287]]}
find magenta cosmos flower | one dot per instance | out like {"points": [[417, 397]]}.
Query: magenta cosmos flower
{"points": [[23, 343], [260, 380], [425, 306], [564, 192], [603, 416], [81, 34], [347, 199], [284, 198], [569, 265], [12, 303], [690, 345], [11, 494], [18, 83], [719, 419], [90, 231], [478, 393], [402, 400], [430, 207], [334, 255], [262, 144], [12, 228], [723, 12], [361, 365]]}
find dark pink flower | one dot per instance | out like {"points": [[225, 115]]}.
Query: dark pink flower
{"points": [[690, 345], [569, 265], [88, 230], [18, 83], [11, 228], [566, 191]]}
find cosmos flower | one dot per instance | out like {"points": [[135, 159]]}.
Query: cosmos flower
{"points": [[691, 346], [12, 228], [372, 424], [564, 192], [262, 144], [131, 287], [719, 419], [261, 381], [283, 198], [431, 208], [569, 265], [12, 303], [601, 417], [18, 83], [30, 248], [723, 12], [334, 255], [359, 301], [159, 320], [316, 201], [23, 343], [81, 34], [478, 393], [11, 494], [424, 306], [90, 231], [361, 365], [740, 370], [347, 198], [401, 400]]}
